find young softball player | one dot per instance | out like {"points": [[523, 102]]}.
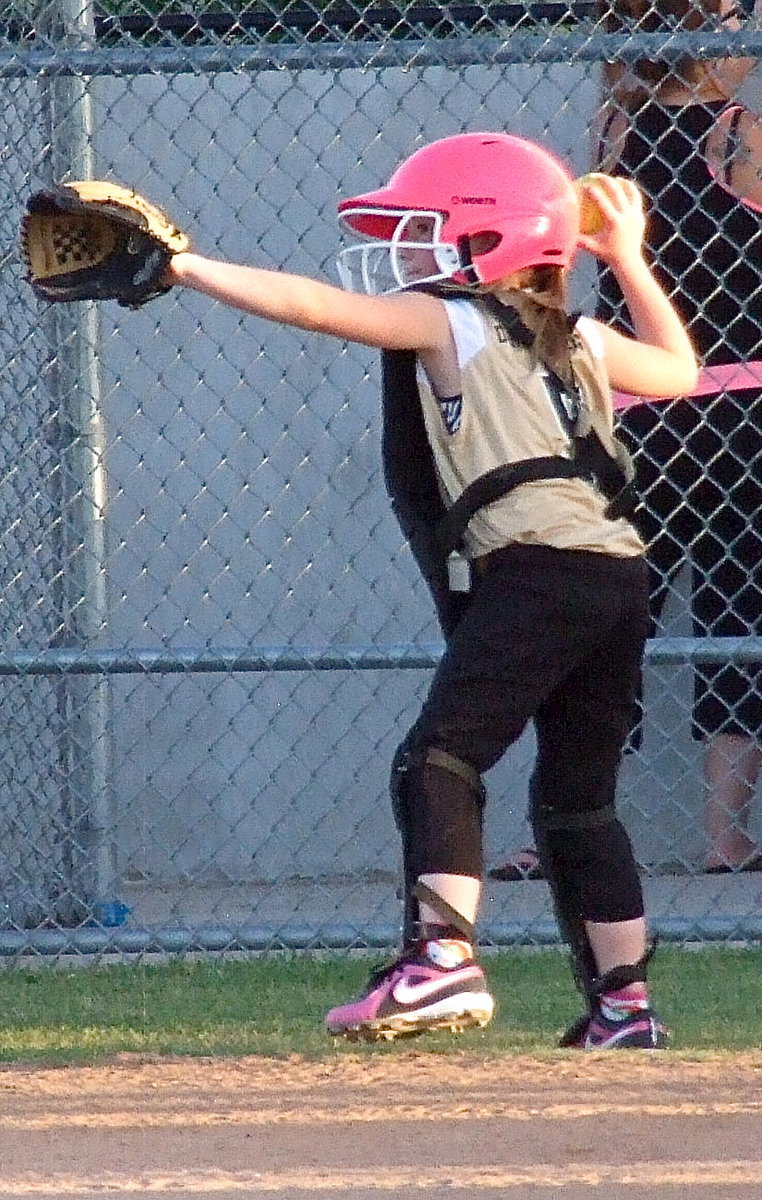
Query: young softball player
{"points": [[505, 399]]}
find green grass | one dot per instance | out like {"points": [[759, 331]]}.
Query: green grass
{"points": [[274, 1006]]}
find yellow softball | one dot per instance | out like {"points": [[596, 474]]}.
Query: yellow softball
{"points": [[591, 219]]}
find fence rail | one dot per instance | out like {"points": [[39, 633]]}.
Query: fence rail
{"points": [[664, 650], [373, 53]]}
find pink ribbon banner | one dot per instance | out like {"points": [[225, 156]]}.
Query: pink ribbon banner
{"points": [[728, 377]]}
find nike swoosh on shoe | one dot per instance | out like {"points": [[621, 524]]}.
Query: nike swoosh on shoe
{"points": [[412, 993]]}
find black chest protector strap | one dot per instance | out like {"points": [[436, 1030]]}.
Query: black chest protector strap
{"points": [[493, 486], [411, 482], [591, 461]]}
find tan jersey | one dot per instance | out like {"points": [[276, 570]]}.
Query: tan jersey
{"points": [[513, 408]]}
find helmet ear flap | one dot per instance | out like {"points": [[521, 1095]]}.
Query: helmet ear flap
{"points": [[471, 247]]}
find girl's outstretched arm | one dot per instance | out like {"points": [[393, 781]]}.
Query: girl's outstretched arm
{"points": [[409, 321]]}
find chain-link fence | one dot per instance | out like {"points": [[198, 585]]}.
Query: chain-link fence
{"points": [[213, 634]]}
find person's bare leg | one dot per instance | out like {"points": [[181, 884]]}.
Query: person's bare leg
{"points": [[617, 943], [461, 892], [732, 765], [621, 1013]]}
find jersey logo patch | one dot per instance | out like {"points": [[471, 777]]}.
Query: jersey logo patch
{"points": [[565, 403], [451, 408]]}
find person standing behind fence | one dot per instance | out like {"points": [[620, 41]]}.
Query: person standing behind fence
{"points": [[699, 460], [472, 236]]}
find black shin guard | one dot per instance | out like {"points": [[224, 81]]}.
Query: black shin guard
{"points": [[574, 847], [438, 803], [565, 899], [621, 977]]}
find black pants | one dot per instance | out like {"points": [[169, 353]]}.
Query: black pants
{"points": [[555, 637]]}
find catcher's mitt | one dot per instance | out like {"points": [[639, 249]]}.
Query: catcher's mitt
{"points": [[95, 240]]}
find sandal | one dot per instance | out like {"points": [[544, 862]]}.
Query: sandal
{"points": [[525, 864], [750, 864]]}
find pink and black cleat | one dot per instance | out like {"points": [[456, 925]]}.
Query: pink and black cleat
{"points": [[413, 995], [641, 1030]]}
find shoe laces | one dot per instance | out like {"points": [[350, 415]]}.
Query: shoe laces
{"points": [[414, 954], [409, 955]]}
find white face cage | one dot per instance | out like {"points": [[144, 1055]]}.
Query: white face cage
{"points": [[415, 254]]}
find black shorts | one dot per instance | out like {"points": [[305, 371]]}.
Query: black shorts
{"points": [[699, 462], [555, 637], [698, 475]]}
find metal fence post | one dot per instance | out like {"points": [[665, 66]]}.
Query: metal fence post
{"points": [[87, 824]]}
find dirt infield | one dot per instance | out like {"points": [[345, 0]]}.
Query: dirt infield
{"points": [[613, 1126]]}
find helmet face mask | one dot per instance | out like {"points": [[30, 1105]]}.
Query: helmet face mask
{"points": [[414, 254], [506, 201]]}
